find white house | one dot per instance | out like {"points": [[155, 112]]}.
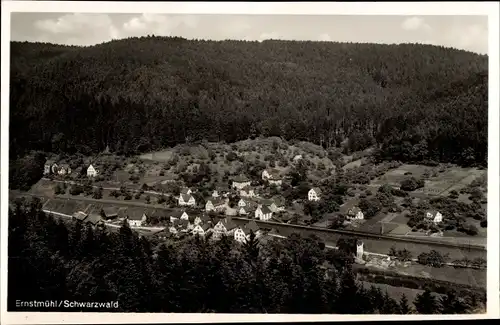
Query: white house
{"points": [[240, 236], [240, 182], [92, 171], [184, 216], [242, 211], [215, 194], [277, 205], [226, 226], [272, 176], [136, 221], [434, 216], [215, 205], [314, 194], [263, 213], [242, 203], [64, 169], [355, 213], [187, 199], [201, 230]]}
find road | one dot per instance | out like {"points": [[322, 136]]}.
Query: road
{"points": [[104, 188]]}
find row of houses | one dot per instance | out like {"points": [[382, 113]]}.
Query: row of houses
{"points": [[62, 168]]}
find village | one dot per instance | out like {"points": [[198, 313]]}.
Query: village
{"points": [[194, 211]]}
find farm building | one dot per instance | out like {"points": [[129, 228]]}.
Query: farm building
{"points": [[201, 230], [225, 226], [351, 211], [80, 215], [247, 191], [215, 205]]}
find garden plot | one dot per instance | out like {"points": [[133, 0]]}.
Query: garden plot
{"points": [[395, 176]]}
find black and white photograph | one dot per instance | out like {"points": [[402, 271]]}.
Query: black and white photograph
{"points": [[258, 163]]}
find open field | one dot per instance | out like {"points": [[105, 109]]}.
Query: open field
{"points": [[438, 180]]}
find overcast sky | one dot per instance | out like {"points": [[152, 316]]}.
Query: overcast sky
{"points": [[462, 32]]}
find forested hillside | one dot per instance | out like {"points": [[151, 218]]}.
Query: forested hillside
{"points": [[417, 102]]}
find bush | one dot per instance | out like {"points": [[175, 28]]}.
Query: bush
{"points": [[433, 258], [127, 196], [231, 156], [59, 189], [484, 223], [411, 184], [76, 190]]}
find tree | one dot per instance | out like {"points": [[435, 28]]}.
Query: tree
{"points": [[452, 304], [411, 184], [426, 303], [433, 258], [97, 193], [404, 306]]}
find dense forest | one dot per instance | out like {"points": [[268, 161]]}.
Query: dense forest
{"points": [[417, 103], [50, 259]]}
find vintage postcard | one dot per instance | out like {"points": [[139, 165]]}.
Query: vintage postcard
{"points": [[249, 161]]}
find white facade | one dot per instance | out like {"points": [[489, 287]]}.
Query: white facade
{"points": [[247, 193], [435, 217], [91, 171], [198, 230], [184, 216], [241, 203], [240, 185], [239, 235], [263, 216], [312, 195], [188, 202], [242, 211], [276, 182], [215, 194], [359, 250]]}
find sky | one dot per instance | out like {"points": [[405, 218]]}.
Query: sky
{"points": [[462, 32]]}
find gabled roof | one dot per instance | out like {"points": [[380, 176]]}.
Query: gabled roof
{"points": [[247, 188], [186, 197], [216, 202], [134, 213], [265, 209], [432, 212], [241, 179], [185, 190], [50, 162], [274, 174], [93, 218], [317, 190], [183, 223], [178, 213], [205, 227], [344, 208], [252, 225], [266, 202], [80, 215]]}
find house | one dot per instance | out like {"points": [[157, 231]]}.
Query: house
{"points": [[241, 181], [355, 213], [80, 215], [92, 171], [186, 191], [239, 235], [187, 199], [64, 169], [272, 176], [215, 205], [434, 216], [215, 194], [314, 194], [201, 230], [49, 167], [252, 226], [297, 158], [94, 219], [179, 215], [242, 203], [136, 217], [173, 226], [277, 205], [263, 213], [247, 191], [110, 213], [183, 226], [203, 219], [224, 227]]}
